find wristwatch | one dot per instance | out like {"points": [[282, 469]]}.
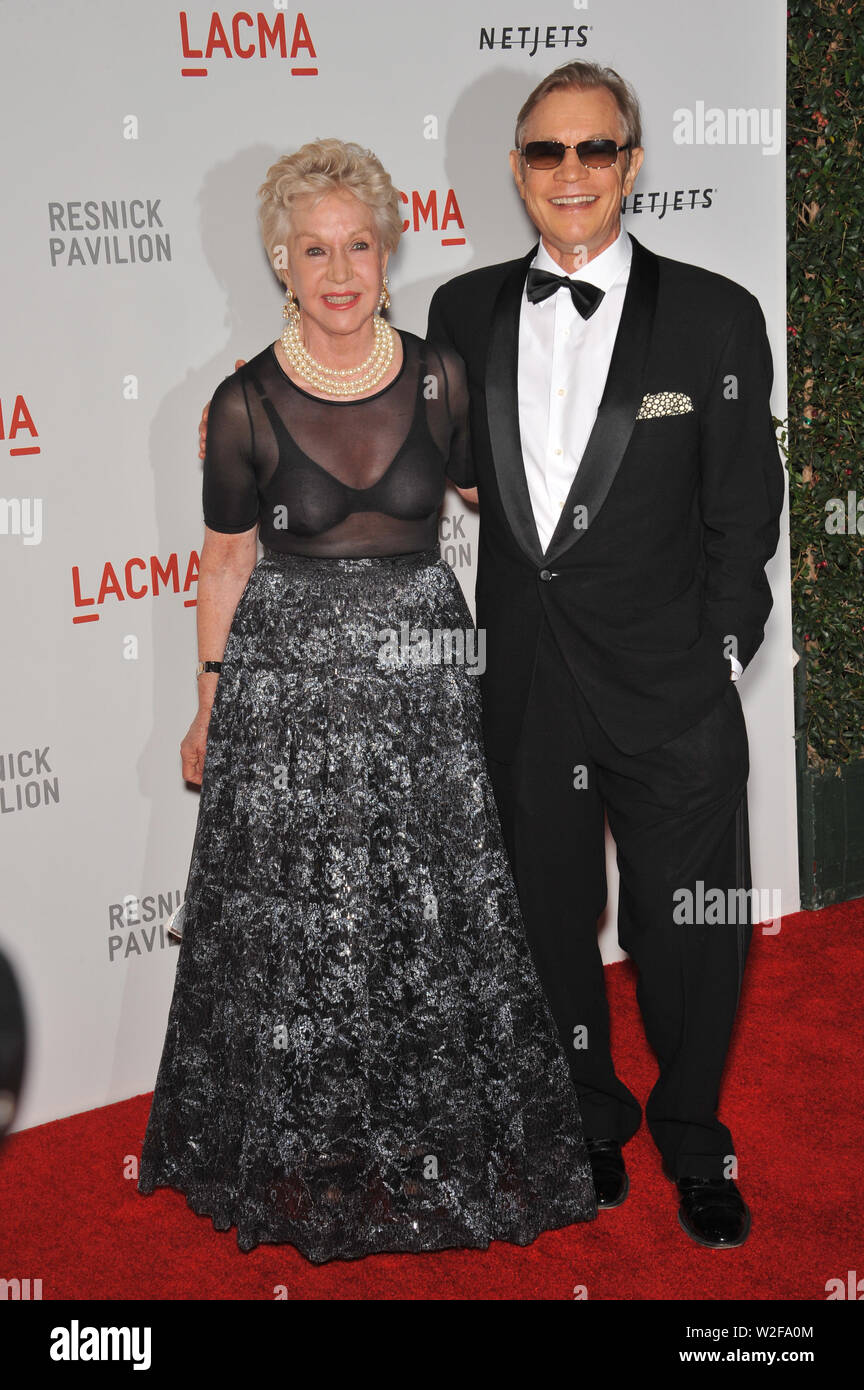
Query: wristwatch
{"points": [[208, 666]]}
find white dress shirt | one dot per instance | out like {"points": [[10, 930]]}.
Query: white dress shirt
{"points": [[563, 365]]}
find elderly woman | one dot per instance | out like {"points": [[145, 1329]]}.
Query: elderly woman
{"points": [[359, 1056]]}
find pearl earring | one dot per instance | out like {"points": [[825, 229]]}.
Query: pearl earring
{"points": [[291, 309]]}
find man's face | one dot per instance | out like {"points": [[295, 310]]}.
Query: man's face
{"points": [[573, 207]]}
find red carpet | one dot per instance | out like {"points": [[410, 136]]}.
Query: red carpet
{"points": [[792, 1100]]}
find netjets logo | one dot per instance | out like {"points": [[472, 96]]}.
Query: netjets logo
{"points": [[244, 35], [529, 38], [136, 579], [735, 126], [665, 200], [438, 211]]}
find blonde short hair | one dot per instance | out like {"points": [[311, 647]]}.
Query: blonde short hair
{"points": [[321, 167]]}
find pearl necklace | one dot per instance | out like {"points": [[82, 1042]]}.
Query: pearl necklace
{"points": [[332, 380]]}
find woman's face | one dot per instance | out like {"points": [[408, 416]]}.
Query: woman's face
{"points": [[335, 261]]}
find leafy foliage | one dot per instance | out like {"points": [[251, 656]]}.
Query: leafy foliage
{"points": [[826, 367]]}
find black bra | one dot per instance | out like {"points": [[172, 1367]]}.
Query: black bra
{"points": [[316, 500]]}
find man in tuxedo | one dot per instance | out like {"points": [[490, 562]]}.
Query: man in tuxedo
{"points": [[630, 488]]}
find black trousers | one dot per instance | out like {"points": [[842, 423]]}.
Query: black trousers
{"points": [[678, 814]]}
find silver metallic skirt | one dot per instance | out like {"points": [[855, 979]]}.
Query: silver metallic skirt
{"points": [[359, 1056]]}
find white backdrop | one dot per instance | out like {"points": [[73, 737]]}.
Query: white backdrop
{"points": [[134, 277]]}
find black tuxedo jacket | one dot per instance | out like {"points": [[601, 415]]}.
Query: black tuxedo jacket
{"points": [[659, 557]]}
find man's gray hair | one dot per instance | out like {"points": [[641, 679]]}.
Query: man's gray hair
{"points": [[583, 77]]}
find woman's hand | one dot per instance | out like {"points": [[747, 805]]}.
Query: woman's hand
{"points": [[468, 494], [193, 748]]}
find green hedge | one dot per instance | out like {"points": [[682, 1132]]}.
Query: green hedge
{"points": [[826, 369]]}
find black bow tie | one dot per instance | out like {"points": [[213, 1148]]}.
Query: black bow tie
{"points": [[542, 284]]}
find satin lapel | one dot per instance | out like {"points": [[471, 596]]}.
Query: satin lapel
{"points": [[619, 406], [502, 406]]}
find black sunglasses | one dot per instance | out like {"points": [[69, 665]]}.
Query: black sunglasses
{"points": [[594, 154]]}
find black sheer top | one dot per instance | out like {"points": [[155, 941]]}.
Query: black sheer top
{"points": [[329, 477]]}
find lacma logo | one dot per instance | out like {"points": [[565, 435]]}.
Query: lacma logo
{"points": [[735, 126], [243, 35], [20, 422], [138, 578], [424, 213]]}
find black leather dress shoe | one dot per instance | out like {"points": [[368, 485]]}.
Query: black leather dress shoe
{"points": [[611, 1182], [712, 1211]]}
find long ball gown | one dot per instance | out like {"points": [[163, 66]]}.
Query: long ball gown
{"points": [[359, 1056]]}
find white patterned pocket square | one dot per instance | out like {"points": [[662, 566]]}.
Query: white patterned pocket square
{"points": [[664, 403]]}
